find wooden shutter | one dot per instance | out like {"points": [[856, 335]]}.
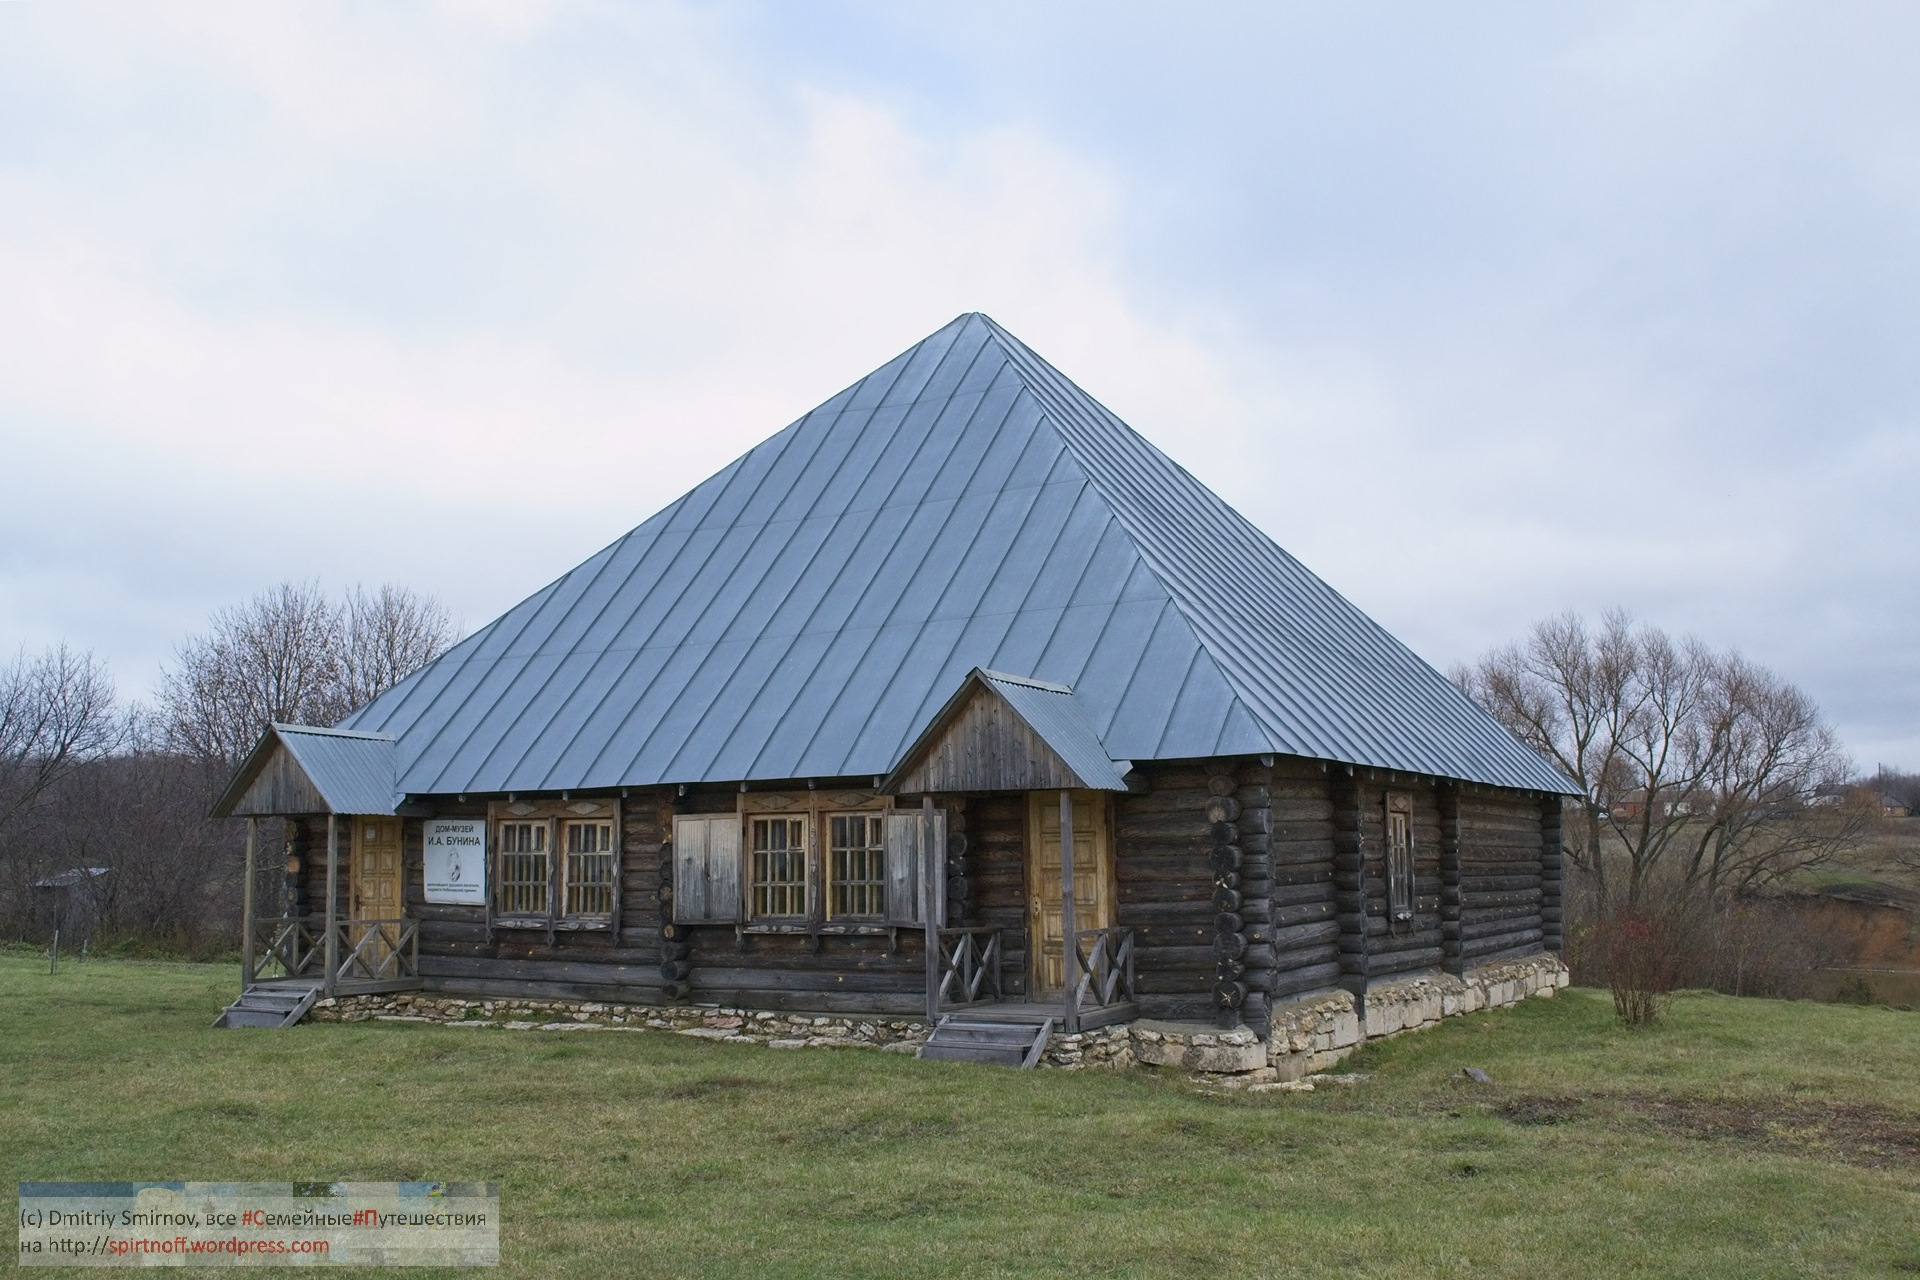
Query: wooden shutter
{"points": [[706, 869], [903, 868], [908, 888], [936, 888]]}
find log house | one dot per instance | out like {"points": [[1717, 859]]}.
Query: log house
{"points": [[814, 737]]}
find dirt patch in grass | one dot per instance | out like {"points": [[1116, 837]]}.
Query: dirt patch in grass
{"points": [[1851, 1132], [1538, 1110], [1856, 1133]]}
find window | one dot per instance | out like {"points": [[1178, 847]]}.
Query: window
{"points": [[589, 865], [557, 864], [1400, 857], [840, 863], [779, 866], [857, 851], [523, 868]]}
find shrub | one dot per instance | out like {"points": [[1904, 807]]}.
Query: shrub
{"points": [[1644, 955]]}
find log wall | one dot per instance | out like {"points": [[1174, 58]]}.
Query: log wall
{"points": [[1164, 888], [1306, 928], [1502, 842], [1245, 883], [1398, 947]]}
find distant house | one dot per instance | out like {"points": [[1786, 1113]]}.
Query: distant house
{"points": [[809, 739], [1633, 805]]}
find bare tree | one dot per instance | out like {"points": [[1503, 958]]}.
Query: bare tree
{"points": [[1768, 753], [390, 634], [56, 713], [83, 785], [1688, 759], [292, 655], [276, 657]]}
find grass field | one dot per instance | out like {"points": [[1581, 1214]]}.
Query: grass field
{"points": [[1738, 1138]]}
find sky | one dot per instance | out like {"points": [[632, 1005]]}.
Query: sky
{"points": [[1483, 311]]}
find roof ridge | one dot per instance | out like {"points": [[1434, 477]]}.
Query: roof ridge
{"points": [[284, 727], [1046, 686], [1018, 353]]}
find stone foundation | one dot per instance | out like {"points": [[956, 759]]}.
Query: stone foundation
{"points": [[1110, 1046], [1309, 1035], [734, 1026]]}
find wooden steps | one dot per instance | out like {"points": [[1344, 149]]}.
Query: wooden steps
{"points": [[1004, 1044], [278, 1004]]}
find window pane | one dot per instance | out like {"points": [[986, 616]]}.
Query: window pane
{"points": [[858, 859], [589, 869], [779, 867], [523, 868], [1400, 865]]}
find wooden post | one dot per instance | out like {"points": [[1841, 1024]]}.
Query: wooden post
{"points": [[1069, 944], [928, 869], [333, 899], [246, 905]]}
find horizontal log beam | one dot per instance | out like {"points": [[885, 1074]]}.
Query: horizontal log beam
{"points": [[1503, 942]]}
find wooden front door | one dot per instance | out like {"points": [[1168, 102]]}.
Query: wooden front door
{"points": [[1092, 879], [375, 887]]}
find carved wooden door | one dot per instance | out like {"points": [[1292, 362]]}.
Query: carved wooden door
{"points": [[375, 893], [1092, 879]]}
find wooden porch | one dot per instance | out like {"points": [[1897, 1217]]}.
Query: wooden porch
{"points": [[345, 957], [974, 1021]]}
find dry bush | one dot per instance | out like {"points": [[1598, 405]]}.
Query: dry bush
{"points": [[1644, 955], [1678, 938]]}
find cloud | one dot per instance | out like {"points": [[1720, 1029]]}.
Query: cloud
{"points": [[1483, 316], [707, 273]]}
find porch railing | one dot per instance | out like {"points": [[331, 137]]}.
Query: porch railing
{"points": [[385, 950], [369, 950], [1106, 968], [290, 947], [969, 967]]}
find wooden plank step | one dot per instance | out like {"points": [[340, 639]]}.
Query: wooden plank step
{"points": [[984, 1033], [1016, 1044], [258, 1006], [1020, 1015], [996, 1055]]}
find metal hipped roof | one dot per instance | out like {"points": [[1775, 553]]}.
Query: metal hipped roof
{"points": [[353, 772], [804, 612]]}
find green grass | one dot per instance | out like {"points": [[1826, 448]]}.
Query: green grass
{"points": [[1738, 1138]]}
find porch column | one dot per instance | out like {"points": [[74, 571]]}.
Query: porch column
{"points": [[929, 867], [1069, 948], [246, 905], [333, 899]]}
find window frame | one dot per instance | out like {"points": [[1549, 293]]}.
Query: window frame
{"points": [[1401, 866], [572, 888], [526, 886], [555, 819], [817, 807], [793, 891], [874, 850]]}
